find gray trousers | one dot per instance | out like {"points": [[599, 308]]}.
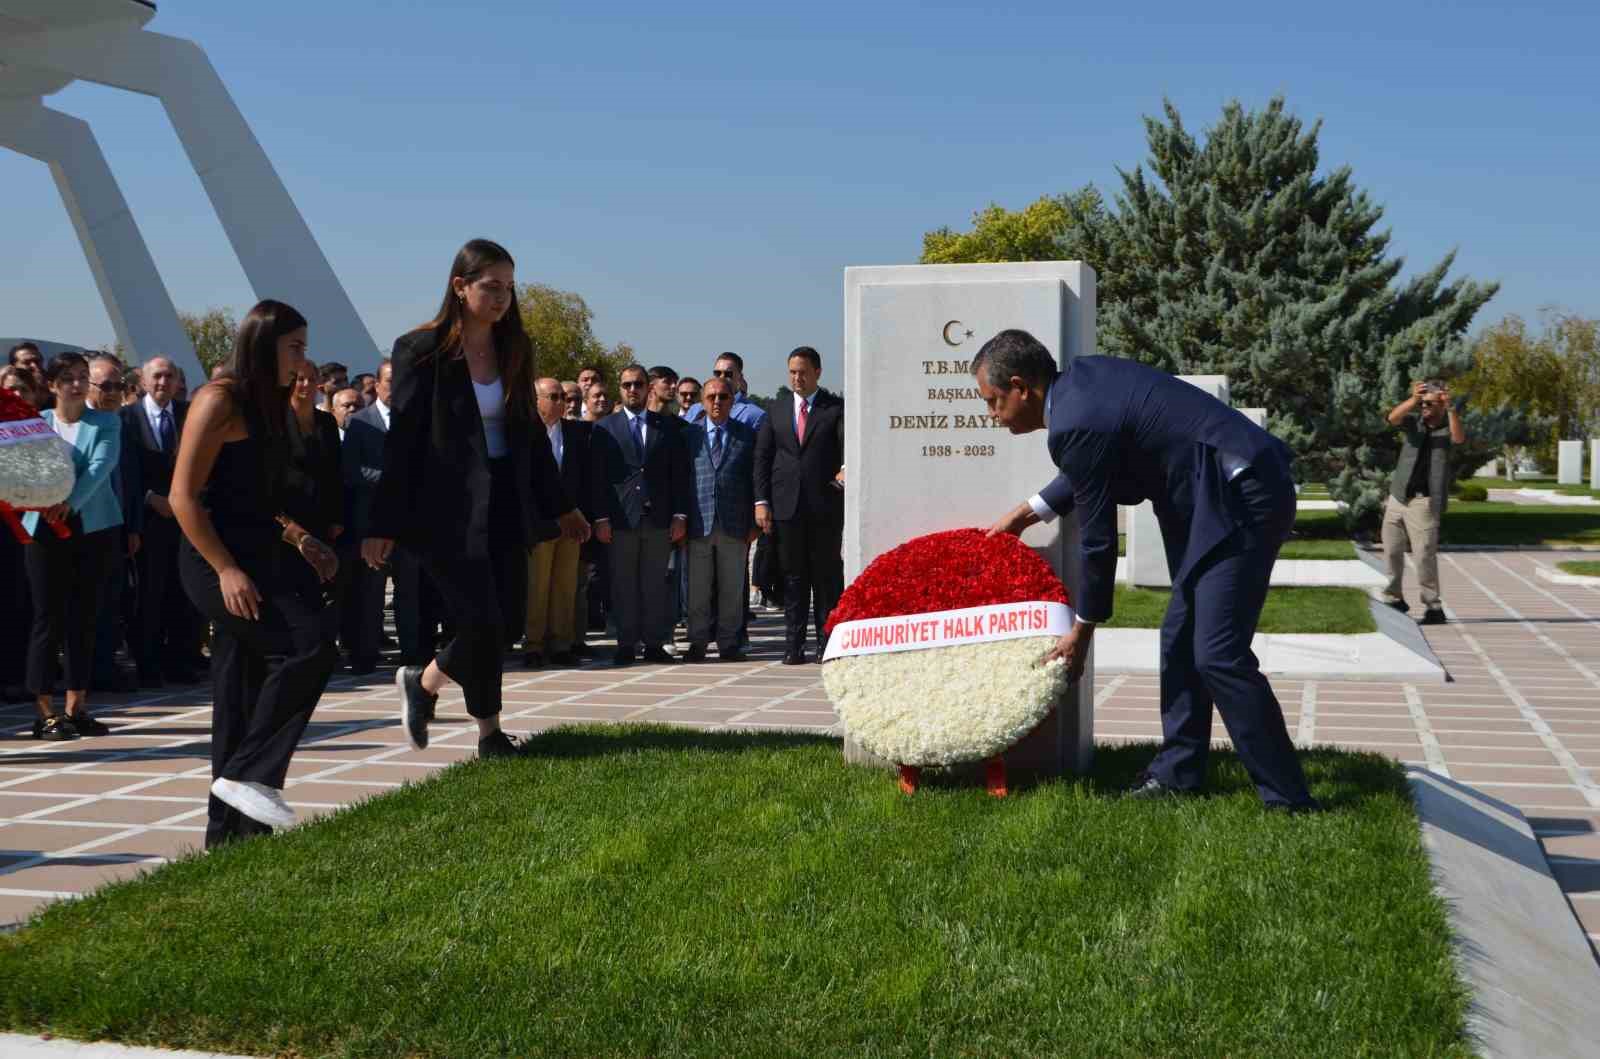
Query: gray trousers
{"points": [[1412, 525], [716, 560], [639, 586]]}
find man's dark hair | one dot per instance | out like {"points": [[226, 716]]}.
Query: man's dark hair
{"points": [[332, 368], [688, 378], [808, 353], [661, 371], [598, 369], [631, 368], [18, 348], [60, 362], [356, 382], [738, 361], [1014, 353]]}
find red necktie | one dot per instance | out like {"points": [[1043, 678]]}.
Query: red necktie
{"points": [[800, 422]]}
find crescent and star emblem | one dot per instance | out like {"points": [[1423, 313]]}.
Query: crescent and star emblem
{"points": [[958, 327]]}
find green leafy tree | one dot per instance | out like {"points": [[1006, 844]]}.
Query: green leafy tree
{"points": [[1549, 378], [1241, 259], [211, 333], [560, 323]]}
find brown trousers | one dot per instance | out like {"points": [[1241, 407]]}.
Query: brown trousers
{"points": [[1412, 526]]}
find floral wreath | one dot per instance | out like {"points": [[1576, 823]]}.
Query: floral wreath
{"points": [[36, 468], [932, 651]]}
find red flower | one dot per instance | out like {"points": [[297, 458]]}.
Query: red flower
{"points": [[948, 571], [13, 407]]}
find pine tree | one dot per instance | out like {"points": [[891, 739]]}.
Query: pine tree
{"points": [[1243, 260]]}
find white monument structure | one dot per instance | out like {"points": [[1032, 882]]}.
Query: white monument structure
{"points": [[1146, 555], [1594, 463], [45, 45], [922, 453], [1569, 463]]}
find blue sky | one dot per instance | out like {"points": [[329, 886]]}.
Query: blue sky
{"points": [[702, 173]]}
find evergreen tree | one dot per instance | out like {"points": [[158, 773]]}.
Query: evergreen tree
{"points": [[1241, 260]]}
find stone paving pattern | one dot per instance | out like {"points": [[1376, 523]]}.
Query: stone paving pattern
{"points": [[1519, 721]]}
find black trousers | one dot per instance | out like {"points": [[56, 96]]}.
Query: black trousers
{"points": [[16, 611], [168, 631], [813, 576], [266, 675], [65, 579], [1206, 659]]}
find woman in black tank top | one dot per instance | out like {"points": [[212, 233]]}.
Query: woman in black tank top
{"points": [[255, 574]]}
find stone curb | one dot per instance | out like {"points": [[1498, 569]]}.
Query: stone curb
{"points": [[19, 1046], [1533, 978], [1561, 577], [1368, 656]]}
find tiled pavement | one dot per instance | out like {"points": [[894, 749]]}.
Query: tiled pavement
{"points": [[1520, 721]]}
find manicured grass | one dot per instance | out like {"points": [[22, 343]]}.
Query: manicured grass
{"points": [[1335, 610], [1519, 524], [665, 892], [1583, 568], [1296, 547]]}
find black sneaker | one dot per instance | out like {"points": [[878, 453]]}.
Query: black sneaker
{"points": [[1397, 604], [497, 744], [56, 728], [85, 724], [1433, 616], [416, 705], [1146, 787]]}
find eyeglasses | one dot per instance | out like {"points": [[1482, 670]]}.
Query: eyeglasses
{"points": [[727, 374], [635, 384], [555, 397], [719, 396], [688, 395], [108, 387]]}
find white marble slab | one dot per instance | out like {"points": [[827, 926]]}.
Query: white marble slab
{"points": [[1291, 656]]}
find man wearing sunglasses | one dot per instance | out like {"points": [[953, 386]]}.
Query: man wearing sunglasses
{"points": [[729, 367], [721, 523]]}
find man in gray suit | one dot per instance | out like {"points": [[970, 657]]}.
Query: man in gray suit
{"points": [[721, 521]]}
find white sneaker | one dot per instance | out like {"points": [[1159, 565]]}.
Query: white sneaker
{"points": [[259, 802]]}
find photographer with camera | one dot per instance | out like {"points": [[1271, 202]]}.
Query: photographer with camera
{"points": [[1418, 493]]}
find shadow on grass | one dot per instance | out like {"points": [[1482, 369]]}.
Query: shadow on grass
{"points": [[1340, 779]]}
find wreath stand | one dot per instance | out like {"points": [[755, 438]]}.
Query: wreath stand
{"points": [[13, 518], [994, 776]]}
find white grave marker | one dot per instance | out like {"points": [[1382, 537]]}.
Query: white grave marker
{"points": [[1569, 463], [1146, 555]]}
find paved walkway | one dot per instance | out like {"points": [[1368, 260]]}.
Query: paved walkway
{"points": [[1521, 721]]}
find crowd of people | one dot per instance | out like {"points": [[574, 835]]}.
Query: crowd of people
{"points": [[259, 531]]}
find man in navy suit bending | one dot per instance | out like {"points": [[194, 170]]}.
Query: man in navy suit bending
{"points": [[1122, 433]]}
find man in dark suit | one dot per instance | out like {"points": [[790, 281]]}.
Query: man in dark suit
{"points": [[800, 491], [553, 563], [1122, 433], [361, 457], [644, 473], [721, 522], [165, 641]]}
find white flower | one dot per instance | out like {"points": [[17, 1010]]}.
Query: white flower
{"points": [[945, 705], [36, 473]]}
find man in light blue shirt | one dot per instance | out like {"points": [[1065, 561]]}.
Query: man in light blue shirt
{"points": [[730, 368]]}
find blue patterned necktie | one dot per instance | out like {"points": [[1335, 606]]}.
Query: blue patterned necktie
{"points": [[637, 426], [168, 439], [716, 446]]}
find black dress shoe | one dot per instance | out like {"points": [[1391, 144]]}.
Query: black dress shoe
{"points": [[582, 650], [563, 658], [85, 724], [1298, 809], [794, 658], [733, 654], [56, 728], [1397, 604], [622, 656], [697, 653], [363, 666], [416, 705], [1147, 788], [1433, 616], [533, 660], [151, 681], [497, 744], [660, 655]]}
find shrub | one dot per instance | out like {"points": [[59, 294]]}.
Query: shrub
{"points": [[1472, 492]]}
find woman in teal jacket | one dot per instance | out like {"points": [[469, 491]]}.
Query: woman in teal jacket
{"points": [[65, 574]]}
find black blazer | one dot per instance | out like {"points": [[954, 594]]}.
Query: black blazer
{"points": [[139, 442], [797, 479], [434, 493], [313, 487], [578, 472], [642, 492], [361, 460]]}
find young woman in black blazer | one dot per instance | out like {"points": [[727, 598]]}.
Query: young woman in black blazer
{"points": [[468, 476]]}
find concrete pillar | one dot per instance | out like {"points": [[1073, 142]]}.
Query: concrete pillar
{"points": [[1569, 463], [280, 256], [1146, 556], [135, 298]]}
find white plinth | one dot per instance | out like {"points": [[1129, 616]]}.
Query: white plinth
{"points": [[921, 451], [1258, 416], [1569, 463], [1146, 555], [1594, 463]]}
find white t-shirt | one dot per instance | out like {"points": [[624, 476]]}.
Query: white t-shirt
{"points": [[492, 409], [68, 432]]}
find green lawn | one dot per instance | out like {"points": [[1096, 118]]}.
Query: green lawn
{"points": [[1322, 545], [1583, 568], [665, 892], [1336, 610], [1499, 523]]}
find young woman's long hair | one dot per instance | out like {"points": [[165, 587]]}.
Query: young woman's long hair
{"points": [[252, 381], [512, 345]]}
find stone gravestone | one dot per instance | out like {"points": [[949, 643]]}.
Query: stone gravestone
{"points": [[1569, 463], [1258, 416], [1594, 463], [1146, 555], [922, 453]]}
